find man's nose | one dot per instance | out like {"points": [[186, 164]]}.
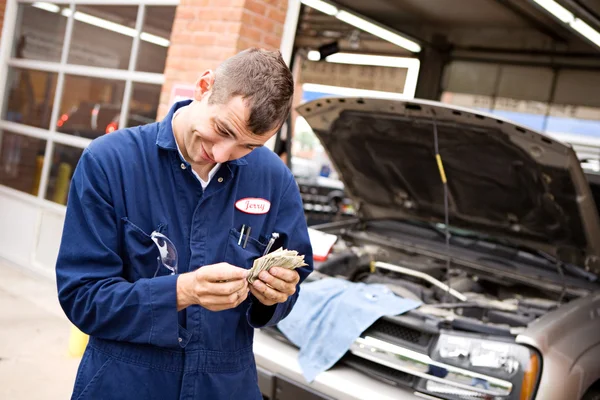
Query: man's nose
{"points": [[222, 151]]}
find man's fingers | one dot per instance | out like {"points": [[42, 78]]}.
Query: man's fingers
{"points": [[226, 288], [259, 296], [223, 272], [276, 283], [269, 293], [285, 274], [225, 302]]}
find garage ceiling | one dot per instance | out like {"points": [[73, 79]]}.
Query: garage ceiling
{"points": [[511, 31]]}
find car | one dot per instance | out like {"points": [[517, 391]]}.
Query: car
{"points": [[492, 226], [91, 120], [324, 199]]}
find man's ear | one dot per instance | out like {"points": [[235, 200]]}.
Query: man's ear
{"points": [[204, 84]]}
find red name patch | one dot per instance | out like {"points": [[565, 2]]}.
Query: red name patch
{"points": [[253, 205]]}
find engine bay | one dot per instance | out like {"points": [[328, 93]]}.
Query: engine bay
{"points": [[497, 294]]}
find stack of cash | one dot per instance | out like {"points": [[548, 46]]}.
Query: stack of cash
{"points": [[279, 258]]}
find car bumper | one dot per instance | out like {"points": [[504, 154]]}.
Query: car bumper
{"points": [[280, 377]]}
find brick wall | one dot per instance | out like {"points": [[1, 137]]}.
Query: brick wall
{"points": [[2, 7], [206, 32]]}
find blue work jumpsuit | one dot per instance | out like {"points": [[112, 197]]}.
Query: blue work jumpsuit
{"points": [[128, 184]]}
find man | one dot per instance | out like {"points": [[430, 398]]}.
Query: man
{"points": [[202, 179]]}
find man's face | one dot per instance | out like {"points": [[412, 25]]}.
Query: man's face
{"points": [[217, 133]]}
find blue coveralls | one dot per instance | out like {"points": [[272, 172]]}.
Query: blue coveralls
{"points": [[128, 184]]}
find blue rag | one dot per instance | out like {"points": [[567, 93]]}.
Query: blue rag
{"points": [[330, 314]]}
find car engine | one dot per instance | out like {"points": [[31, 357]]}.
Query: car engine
{"points": [[454, 296]]}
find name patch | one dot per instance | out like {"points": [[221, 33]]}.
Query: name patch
{"points": [[253, 205]]}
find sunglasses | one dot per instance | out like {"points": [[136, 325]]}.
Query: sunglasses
{"points": [[168, 253]]}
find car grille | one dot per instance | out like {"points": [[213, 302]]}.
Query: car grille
{"points": [[399, 335], [380, 372]]}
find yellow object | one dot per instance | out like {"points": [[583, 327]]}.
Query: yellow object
{"points": [[372, 267], [530, 377], [77, 342], [441, 168], [39, 163], [62, 183]]}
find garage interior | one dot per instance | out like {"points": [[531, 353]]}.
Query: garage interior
{"points": [[512, 58]]}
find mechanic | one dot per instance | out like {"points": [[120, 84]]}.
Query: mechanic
{"points": [[201, 178]]}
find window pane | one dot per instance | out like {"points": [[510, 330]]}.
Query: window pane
{"points": [[102, 36], [89, 105], [144, 104], [154, 42], [30, 97], [21, 160], [64, 160], [41, 32]]}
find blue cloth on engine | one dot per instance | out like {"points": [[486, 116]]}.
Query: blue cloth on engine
{"points": [[330, 314]]}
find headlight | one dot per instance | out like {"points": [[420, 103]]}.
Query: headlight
{"points": [[495, 363], [461, 366]]}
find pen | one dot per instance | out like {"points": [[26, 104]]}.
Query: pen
{"points": [[241, 234], [247, 236]]}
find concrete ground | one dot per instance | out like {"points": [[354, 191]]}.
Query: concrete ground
{"points": [[34, 337]]}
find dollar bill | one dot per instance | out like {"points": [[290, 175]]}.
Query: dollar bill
{"points": [[283, 258]]}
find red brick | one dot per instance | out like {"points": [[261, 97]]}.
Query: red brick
{"points": [[181, 25], [203, 39], [256, 6], [230, 27], [185, 13], [263, 23], [211, 14], [181, 37], [163, 110], [276, 15], [244, 44], [232, 14], [247, 17], [195, 26], [165, 96], [197, 3], [227, 41], [221, 14], [272, 41], [185, 51], [227, 3], [217, 53], [2, 7], [277, 3], [250, 33], [175, 64], [174, 76], [278, 30]]}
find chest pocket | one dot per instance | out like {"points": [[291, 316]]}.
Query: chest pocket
{"points": [[237, 255], [140, 255]]}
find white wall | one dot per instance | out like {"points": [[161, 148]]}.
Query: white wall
{"points": [[30, 234]]}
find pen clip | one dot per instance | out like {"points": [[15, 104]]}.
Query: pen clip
{"points": [[274, 237]]}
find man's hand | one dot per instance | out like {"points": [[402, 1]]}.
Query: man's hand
{"points": [[215, 287], [275, 286]]}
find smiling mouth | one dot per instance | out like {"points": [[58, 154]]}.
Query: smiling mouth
{"points": [[206, 156]]}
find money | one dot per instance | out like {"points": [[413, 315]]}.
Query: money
{"points": [[279, 258]]}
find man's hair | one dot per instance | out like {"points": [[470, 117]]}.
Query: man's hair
{"points": [[265, 83]]}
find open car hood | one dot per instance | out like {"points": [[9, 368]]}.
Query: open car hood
{"points": [[504, 180]]}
